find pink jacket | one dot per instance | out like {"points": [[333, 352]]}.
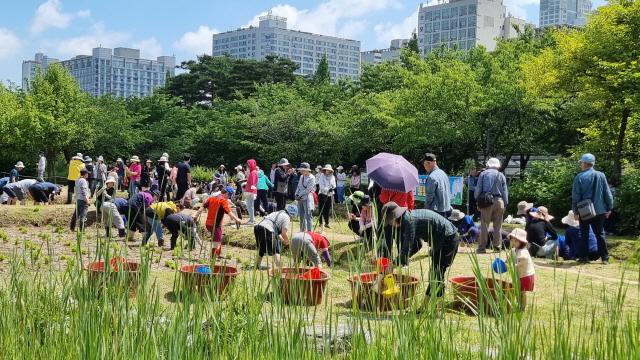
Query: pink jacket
{"points": [[252, 180]]}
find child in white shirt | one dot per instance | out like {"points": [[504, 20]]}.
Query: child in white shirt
{"points": [[524, 264]]}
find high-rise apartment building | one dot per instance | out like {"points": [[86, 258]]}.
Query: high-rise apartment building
{"points": [[120, 72], [564, 12], [463, 24], [30, 68], [272, 37], [375, 57]]}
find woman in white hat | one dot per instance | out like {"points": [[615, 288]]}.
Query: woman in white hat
{"points": [[134, 173], [304, 196], [75, 165], [327, 187], [571, 249]]}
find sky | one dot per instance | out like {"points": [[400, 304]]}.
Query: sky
{"points": [[65, 28]]}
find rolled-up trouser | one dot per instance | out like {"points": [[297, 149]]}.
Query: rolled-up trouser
{"points": [[250, 202], [488, 215], [441, 258], [111, 216], [306, 215]]}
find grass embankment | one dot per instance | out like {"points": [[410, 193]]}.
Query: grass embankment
{"points": [[590, 311]]}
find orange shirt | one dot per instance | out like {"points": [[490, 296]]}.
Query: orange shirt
{"points": [[216, 208]]}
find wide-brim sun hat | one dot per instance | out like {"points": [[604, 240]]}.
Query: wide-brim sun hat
{"points": [[100, 158], [357, 197], [88, 159], [304, 167], [392, 211], [162, 159], [135, 158], [570, 219], [523, 207], [493, 163], [327, 168], [110, 180], [543, 213], [519, 234], [456, 215], [78, 157], [239, 167], [283, 162], [19, 164]]}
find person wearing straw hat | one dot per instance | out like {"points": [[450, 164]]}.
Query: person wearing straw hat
{"points": [[304, 197], [105, 197], [571, 249], [75, 165], [415, 226], [14, 174], [134, 174], [327, 188], [162, 172], [540, 231], [524, 263], [492, 185], [467, 229], [281, 183], [591, 192]]}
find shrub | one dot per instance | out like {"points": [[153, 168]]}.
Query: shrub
{"points": [[201, 174], [545, 183], [626, 203]]}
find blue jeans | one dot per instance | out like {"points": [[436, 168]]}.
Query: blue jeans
{"points": [[250, 202], [340, 194], [133, 188], [306, 215], [153, 226]]}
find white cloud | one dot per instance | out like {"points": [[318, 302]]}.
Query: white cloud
{"points": [[149, 48], [9, 43], [388, 31], [328, 17], [517, 8], [196, 42], [99, 36], [50, 15]]}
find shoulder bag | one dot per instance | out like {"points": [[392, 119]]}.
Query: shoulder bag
{"points": [[586, 209], [485, 199]]}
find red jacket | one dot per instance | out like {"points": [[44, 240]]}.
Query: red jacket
{"points": [[402, 199], [252, 180]]}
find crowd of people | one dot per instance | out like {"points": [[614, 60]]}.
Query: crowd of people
{"points": [[157, 193]]}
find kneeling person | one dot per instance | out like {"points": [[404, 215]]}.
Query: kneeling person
{"points": [[270, 233], [310, 245]]}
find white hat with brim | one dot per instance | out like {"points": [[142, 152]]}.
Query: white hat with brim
{"points": [[570, 220], [457, 215], [327, 168], [523, 207], [239, 167], [100, 158], [110, 180], [19, 164], [519, 234], [135, 158], [162, 159], [78, 157], [340, 168]]}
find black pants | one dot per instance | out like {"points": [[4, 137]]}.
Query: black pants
{"points": [[407, 247], [176, 224], [182, 188], [441, 258], [367, 234], [39, 196], [71, 187], [326, 206], [266, 241], [597, 225], [263, 200], [281, 200], [137, 221]]}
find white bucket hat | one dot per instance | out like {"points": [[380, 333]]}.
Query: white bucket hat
{"points": [[135, 158], [456, 215], [519, 234], [162, 159], [19, 164], [327, 168], [78, 157], [570, 220]]}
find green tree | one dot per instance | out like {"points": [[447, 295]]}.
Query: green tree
{"points": [[413, 44], [322, 75]]}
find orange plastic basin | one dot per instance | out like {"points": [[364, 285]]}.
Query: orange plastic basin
{"points": [[123, 270], [298, 291], [467, 292], [363, 295], [220, 278]]}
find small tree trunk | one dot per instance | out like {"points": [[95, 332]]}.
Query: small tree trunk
{"points": [[617, 160], [524, 160]]}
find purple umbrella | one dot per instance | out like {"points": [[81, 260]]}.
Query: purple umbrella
{"points": [[393, 172]]}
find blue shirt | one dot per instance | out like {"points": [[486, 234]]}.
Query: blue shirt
{"points": [[485, 184], [438, 195], [465, 224], [572, 239], [4, 181], [45, 186], [583, 188], [14, 175]]}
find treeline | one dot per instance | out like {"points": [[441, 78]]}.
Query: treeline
{"points": [[555, 92]]}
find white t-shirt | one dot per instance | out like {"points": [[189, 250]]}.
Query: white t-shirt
{"points": [[279, 219], [524, 262]]}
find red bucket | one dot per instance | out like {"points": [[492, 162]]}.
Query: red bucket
{"points": [[296, 290], [119, 269], [220, 276], [467, 293], [363, 295]]}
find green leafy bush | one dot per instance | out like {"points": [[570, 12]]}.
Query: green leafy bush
{"points": [[626, 203], [545, 183], [201, 174]]}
